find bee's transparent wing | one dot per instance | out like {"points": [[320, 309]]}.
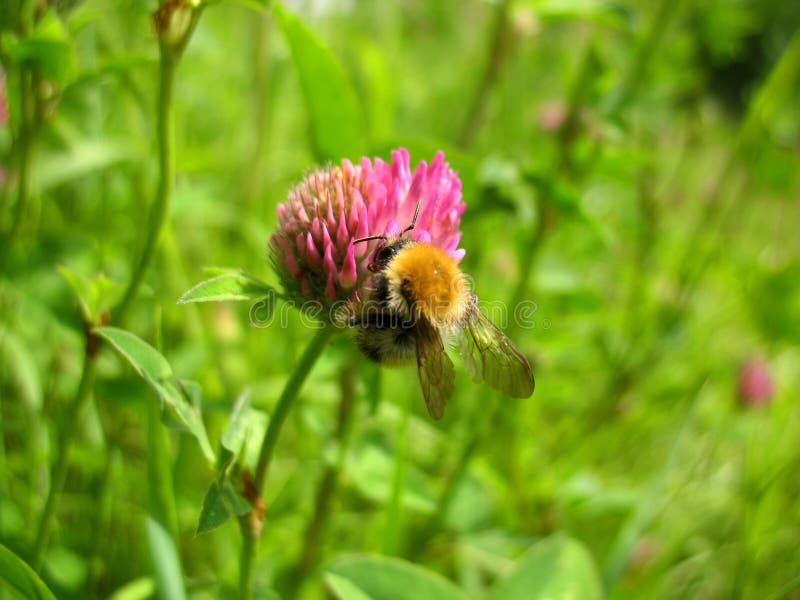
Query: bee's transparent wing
{"points": [[436, 372], [488, 355]]}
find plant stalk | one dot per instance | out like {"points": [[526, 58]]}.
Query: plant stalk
{"points": [[59, 474], [165, 133], [25, 150], [329, 484], [166, 167], [250, 527]]}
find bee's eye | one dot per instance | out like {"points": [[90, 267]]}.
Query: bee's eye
{"points": [[386, 253]]}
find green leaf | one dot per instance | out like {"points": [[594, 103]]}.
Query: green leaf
{"points": [[81, 159], [47, 47], [18, 366], [254, 4], [235, 501], [602, 12], [343, 588], [214, 512], [555, 568], [228, 287], [138, 589], [95, 294], [16, 574], [166, 563], [65, 569], [337, 121], [146, 360], [373, 474], [156, 371], [220, 503], [235, 433], [221, 500], [362, 576]]}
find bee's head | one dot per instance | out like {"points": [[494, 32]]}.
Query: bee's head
{"points": [[389, 246], [386, 251]]}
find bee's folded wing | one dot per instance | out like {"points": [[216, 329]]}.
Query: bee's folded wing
{"points": [[436, 372], [488, 355]]}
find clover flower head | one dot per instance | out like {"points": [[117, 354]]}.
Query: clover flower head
{"points": [[313, 248]]}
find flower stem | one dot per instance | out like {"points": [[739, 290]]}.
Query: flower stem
{"points": [[329, 485], [394, 515], [166, 166], [170, 55], [251, 529]]}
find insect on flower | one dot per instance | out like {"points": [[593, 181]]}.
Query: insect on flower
{"points": [[419, 301], [407, 299]]}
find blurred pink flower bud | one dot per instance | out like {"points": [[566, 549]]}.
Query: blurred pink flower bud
{"points": [[552, 115], [755, 383], [313, 250]]}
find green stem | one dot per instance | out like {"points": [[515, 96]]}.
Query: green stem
{"points": [[394, 514], [25, 149], [250, 530], [498, 50], [329, 485], [59, 474], [307, 361], [659, 24], [578, 93], [166, 165], [170, 55], [246, 560], [261, 87]]}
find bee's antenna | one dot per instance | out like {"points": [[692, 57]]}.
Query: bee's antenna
{"points": [[383, 237], [413, 220], [370, 238]]}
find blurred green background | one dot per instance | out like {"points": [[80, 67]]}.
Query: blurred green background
{"points": [[632, 174]]}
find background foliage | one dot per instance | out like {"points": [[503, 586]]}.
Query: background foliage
{"points": [[631, 174]]}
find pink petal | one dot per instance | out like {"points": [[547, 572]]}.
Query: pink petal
{"points": [[349, 274], [342, 237], [391, 229], [331, 220], [326, 239], [327, 263], [330, 289], [422, 236], [316, 230], [291, 265], [312, 254]]}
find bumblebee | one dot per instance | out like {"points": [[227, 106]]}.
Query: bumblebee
{"points": [[419, 302]]}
